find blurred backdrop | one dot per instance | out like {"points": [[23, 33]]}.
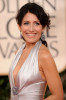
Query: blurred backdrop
{"points": [[10, 39]]}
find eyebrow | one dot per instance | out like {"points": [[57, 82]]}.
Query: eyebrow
{"points": [[34, 21]]}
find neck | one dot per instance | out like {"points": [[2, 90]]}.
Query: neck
{"points": [[29, 45]]}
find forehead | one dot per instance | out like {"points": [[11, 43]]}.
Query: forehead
{"points": [[30, 17]]}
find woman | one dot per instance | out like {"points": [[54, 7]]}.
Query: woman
{"points": [[33, 67]]}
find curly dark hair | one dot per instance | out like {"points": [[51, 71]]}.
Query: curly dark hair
{"points": [[36, 10]]}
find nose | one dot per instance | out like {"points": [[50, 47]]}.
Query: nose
{"points": [[31, 28]]}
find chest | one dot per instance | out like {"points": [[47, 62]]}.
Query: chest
{"points": [[19, 64]]}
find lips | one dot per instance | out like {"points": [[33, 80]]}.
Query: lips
{"points": [[31, 34]]}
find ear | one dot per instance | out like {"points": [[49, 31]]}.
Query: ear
{"points": [[19, 27]]}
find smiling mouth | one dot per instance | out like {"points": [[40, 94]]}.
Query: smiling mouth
{"points": [[31, 34]]}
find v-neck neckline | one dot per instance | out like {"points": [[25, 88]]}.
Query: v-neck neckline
{"points": [[26, 60]]}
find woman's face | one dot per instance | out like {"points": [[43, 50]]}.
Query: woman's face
{"points": [[31, 28]]}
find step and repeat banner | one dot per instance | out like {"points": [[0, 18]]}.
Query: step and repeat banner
{"points": [[10, 36]]}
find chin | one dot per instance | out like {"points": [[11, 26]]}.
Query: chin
{"points": [[32, 41]]}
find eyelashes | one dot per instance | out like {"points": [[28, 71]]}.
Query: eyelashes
{"points": [[36, 23], [28, 23]]}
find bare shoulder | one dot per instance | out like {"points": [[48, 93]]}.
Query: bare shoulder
{"points": [[50, 72], [44, 52], [45, 57]]}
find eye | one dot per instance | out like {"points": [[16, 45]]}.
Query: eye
{"points": [[37, 23], [26, 23]]}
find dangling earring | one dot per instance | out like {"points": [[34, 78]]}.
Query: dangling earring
{"points": [[20, 34], [42, 37]]}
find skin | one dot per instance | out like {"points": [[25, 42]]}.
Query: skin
{"points": [[31, 30], [50, 73]]}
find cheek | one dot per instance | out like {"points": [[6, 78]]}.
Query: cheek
{"points": [[39, 29], [23, 29]]}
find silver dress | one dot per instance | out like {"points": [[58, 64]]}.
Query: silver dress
{"points": [[30, 84]]}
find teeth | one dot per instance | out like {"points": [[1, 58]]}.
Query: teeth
{"points": [[31, 34]]}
